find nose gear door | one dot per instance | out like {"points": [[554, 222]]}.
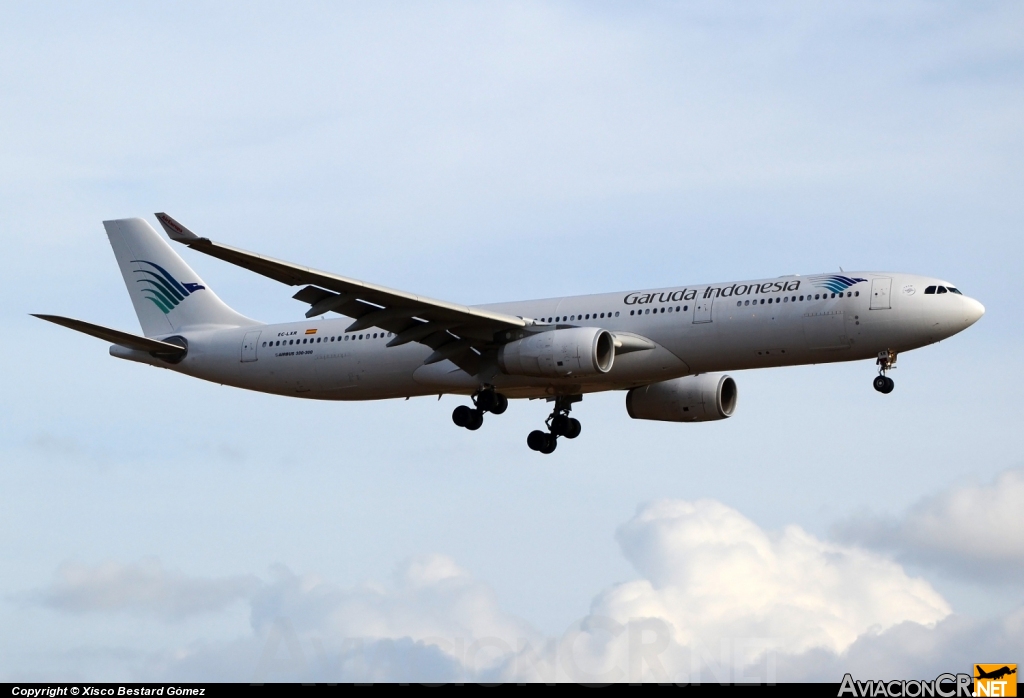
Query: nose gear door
{"points": [[880, 293], [249, 344]]}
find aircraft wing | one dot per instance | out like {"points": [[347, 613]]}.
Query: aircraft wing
{"points": [[452, 330], [124, 339]]}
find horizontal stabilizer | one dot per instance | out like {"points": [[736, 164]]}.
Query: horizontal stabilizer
{"points": [[124, 339]]}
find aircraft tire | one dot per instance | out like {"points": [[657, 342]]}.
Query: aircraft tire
{"points": [[500, 404], [461, 415], [536, 440], [485, 400], [550, 444], [573, 428], [476, 420], [879, 383], [889, 385], [559, 425]]}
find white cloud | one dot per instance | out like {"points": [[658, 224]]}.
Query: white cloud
{"points": [[713, 583], [913, 651], [974, 531]]}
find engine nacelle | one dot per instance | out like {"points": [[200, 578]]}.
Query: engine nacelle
{"points": [[702, 398], [577, 351]]}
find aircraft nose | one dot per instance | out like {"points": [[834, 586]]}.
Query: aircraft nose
{"points": [[973, 310]]}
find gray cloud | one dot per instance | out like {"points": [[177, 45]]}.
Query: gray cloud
{"points": [[972, 531], [140, 588]]}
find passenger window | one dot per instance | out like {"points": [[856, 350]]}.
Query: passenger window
{"points": [[786, 299], [746, 302], [616, 313], [647, 312], [856, 294], [739, 303], [941, 289], [264, 344], [769, 301], [677, 308], [930, 290]]}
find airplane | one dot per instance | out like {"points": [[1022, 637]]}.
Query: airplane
{"points": [[996, 674], [667, 348]]}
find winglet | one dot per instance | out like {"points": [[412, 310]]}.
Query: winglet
{"points": [[176, 231]]}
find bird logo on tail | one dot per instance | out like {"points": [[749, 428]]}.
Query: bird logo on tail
{"points": [[162, 289]]}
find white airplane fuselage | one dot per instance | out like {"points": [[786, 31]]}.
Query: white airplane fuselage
{"points": [[695, 329]]}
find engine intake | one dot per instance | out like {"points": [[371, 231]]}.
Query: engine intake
{"points": [[701, 398], [578, 351]]}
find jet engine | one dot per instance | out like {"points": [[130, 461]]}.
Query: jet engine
{"points": [[577, 351], [701, 398]]}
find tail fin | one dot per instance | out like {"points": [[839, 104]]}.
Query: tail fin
{"points": [[168, 296]]}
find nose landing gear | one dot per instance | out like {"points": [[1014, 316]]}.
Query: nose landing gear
{"points": [[886, 361], [559, 423], [486, 400]]}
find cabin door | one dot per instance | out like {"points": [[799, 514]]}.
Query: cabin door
{"points": [[880, 293], [249, 344], [702, 309]]}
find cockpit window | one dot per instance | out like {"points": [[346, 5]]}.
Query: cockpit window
{"points": [[930, 290], [942, 289], [954, 290]]}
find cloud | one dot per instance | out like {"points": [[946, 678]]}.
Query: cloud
{"points": [[716, 596], [714, 584], [140, 588], [910, 650], [974, 531]]}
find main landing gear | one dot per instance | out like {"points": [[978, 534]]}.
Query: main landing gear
{"points": [[886, 361], [486, 400], [559, 424]]}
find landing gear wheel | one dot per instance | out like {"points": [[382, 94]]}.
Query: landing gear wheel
{"points": [[884, 384], [500, 404], [560, 425], [485, 400], [536, 440], [889, 385], [476, 420], [550, 444], [573, 428], [461, 415], [490, 401]]}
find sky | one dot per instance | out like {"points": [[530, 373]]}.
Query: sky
{"points": [[155, 527]]}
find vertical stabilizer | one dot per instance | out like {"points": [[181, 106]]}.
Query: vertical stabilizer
{"points": [[168, 296]]}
